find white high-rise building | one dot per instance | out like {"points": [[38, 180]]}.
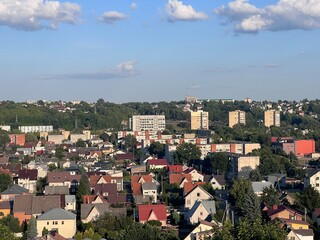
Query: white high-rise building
{"points": [[28, 129], [152, 123], [272, 118]]}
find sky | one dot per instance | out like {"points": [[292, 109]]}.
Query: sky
{"points": [[159, 50]]}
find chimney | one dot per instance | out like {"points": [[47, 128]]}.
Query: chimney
{"points": [[275, 207]]}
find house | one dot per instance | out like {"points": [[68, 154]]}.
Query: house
{"points": [[42, 168], [11, 192], [283, 212], [27, 178], [217, 181], [64, 178], [104, 179], [195, 175], [90, 212], [204, 230], [105, 189], [138, 169], [5, 208], [188, 186], [122, 159], [56, 190], [93, 199], [180, 179], [196, 194], [58, 219], [152, 212], [313, 179], [70, 202], [278, 180], [150, 190], [259, 186], [157, 164], [300, 234], [175, 168], [294, 224], [202, 210]]}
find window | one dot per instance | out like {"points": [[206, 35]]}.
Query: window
{"points": [[47, 223], [62, 222], [53, 223], [292, 238], [201, 213], [198, 194], [56, 222]]}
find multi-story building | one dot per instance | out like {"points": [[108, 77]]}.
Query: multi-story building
{"points": [[5, 128], [199, 120], [151, 123], [241, 166], [272, 118], [28, 129], [237, 117]]}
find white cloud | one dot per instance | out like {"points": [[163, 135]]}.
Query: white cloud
{"points": [[282, 16], [133, 6], [112, 17], [31, 15], [122, 70], [177, 11]]}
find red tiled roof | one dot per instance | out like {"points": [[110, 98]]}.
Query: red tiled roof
{"points": [[277, 209], [91, 198], [175, 168], [177, 178], [188, 186], [95, 178], [136, 178], [158, 162], [159, 210], [136, 188], [125, 156]]}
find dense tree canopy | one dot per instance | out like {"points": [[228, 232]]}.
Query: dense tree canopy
{"points": [[186, 152]]}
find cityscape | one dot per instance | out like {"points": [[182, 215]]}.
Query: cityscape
{"points": [[159, 120]]}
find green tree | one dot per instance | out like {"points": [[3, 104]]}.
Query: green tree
{"points": [[186, 152], [44, 231], [157, 148], [130, 143], [6, 233], [80, 143], [240, 189], [308, 198], [32, 229], [176, 217], [5, 181], [11, 222], [31, 137], [84, 186], [251, 207], [219, 162], [270, 196], [4, 138], [255, 175], [59, 152], [226, 232]]}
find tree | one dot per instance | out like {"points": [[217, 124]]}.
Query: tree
{"points": [[255, 175], [4, 138], [130, 143], [6, 233], [59, 152], [157, 148], [308, 198], [251, 207], [31, 137], [240, 189], [5, 181], [186, 152], [224, 233], [219, 162], [32, 229], [84, 186], [176, 217], [11, 222], [44, 231], [270, 196], [80, 143]]}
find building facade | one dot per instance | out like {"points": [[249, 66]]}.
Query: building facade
{"points": [[199, 120], [152, 123], [237, 117], [272, 118], [28, 129]]}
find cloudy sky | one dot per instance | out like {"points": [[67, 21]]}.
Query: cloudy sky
{"points": [[153, 50]]}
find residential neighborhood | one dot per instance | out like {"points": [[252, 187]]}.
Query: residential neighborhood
{"points": [[184, 184]]}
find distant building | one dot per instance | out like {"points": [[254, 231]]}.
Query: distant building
{"points": [[152, 123], [190, 99], [237, 117], [241, 166], [5, 128], [18, 139], [272, 118], [199, 120], [28, 129]]}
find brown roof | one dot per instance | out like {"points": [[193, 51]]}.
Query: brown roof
{"points": [[101, 189], [117, 198], [31, 174], [23, 203], [95, 178], [178, 177], [59, 177], [189, 186], [277, 209]]}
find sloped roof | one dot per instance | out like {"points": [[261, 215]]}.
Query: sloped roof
{"points": [[220, 179], [42, 204], [15, 189], [198, 186], [31, 174], [110, 188], [158, 162], [59, 177], [117, 198], [188, 186], [56, 190], [175, 168], [159, 210], [259, 186], [303, 232], [278, 209], [95, 178], [149, 186], [176, 178], [57, 214], [23, 203], [88, 207]]}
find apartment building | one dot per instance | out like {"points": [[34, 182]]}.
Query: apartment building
{"points": [[30, 129], [237, 117], [152, 123], [199, 120], [272, 118]]}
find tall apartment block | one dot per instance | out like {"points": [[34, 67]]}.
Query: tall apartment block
{"points": [[272, 118], [237, 117], [152, 123], [199, 120]]}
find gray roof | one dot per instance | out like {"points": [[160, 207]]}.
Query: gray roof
{"points": [[87, 208], [304, 232], [149, 186], [210, 206], [259, 186], [15, 189], [56, 190], [70, 198], [57, 214], [312, 172]]}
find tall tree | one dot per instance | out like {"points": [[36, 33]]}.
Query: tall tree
{"points": [[11, 222], [157, 148], [240, 189], [6, 233], [251, 207], [270, 196], [186, 152], [84, 186], [32, 232], [219, 162], [308, 198], [4, 138], [5, 181]]}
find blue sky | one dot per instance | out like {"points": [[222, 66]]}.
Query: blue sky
{"points": [[155, 50]]}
